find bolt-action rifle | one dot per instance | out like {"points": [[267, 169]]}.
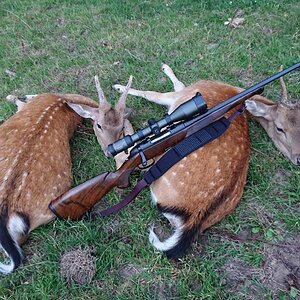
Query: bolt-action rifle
{"points": [[149, 142]]}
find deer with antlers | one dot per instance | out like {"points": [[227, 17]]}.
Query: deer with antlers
{"points": [[35, 163], [208, 184]]}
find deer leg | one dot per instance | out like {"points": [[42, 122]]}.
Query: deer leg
{"points": [[160, 98], [178, 85], [19, 101]]}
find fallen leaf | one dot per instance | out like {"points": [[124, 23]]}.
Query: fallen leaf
{"points": [[10, 74], [234, 22], [116, 63]]}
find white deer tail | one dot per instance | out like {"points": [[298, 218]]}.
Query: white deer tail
{"points": [[11, 249]]}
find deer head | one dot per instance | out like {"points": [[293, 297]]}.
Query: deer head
{"points": [[109, 123], [281, 121]]}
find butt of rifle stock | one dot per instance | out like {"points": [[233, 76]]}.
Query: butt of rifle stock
{"points": [[74, 203]]}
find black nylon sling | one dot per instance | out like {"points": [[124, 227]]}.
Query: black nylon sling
{"points": [[175, 154], [186, 147]]}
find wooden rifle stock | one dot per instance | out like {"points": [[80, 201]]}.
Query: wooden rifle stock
{"points": [[74, 203]]}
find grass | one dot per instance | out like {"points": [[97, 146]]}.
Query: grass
{"points": [[59, 46]]}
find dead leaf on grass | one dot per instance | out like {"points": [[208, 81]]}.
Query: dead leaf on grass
{"points": [[234, 22], [130, 270], [116, 63], [60, 21], [10, 74], [24, 47]]}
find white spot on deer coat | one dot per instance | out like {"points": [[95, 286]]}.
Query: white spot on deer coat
{"points": [[166, 181], [203, 194]]}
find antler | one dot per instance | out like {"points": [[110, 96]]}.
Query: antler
{"points": [[103, 104], [122, 101], [284, 96]]}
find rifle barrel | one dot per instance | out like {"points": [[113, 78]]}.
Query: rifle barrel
{"points": [[217, 111]]}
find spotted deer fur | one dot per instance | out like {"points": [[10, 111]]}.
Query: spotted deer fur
{"points": [[208, 184], [35, 163]]}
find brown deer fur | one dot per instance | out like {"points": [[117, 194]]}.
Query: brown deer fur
{"points": [[35, 164], [206, 185], [35, 167]]}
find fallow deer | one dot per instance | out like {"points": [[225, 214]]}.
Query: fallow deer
{"points": [[281, 120], [208, 184], [35, 163]]}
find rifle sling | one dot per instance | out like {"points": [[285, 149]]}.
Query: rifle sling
{"points": [[175, 154]]}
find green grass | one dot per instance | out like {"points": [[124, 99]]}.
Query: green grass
{"points": [[58, 46]]}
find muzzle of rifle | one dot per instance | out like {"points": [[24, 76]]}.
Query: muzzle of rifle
{"points": [[185, 111]]}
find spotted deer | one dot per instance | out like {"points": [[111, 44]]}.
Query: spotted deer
{"points": [[281, 120], [208, 184], [35, 163]]}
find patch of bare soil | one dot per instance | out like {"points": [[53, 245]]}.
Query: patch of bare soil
{"points": [[281, 176], [163, 291], [163, 228], [245, 76], [280, 271], [281, 179], [129, 270]]}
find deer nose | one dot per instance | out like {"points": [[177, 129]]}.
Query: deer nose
{"points": [[296, 159]]}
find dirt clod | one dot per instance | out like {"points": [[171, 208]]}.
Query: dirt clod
{"points": [[78, 265], [130, 270], [281, 176]]}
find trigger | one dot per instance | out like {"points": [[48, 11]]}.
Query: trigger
{"points": [[143, 158]]}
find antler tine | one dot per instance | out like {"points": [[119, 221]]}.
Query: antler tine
{"points": [[103, 104], [284, 96], [122, 101]]}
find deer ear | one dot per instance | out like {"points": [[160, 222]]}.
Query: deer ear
{"points": [[85, 111], [259, 109]]}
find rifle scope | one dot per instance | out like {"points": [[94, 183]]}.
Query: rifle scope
{"points": [[194, 106]]}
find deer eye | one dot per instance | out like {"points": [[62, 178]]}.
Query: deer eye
{"points": [[99, 126], [279, 129]]}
